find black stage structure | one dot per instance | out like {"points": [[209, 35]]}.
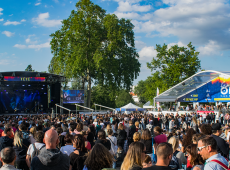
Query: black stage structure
{"points": [[29, 92]]}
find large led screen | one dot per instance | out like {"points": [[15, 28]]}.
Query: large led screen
{"points": [[73, 96]]}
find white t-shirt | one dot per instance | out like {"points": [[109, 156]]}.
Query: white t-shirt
{"points": [[68, 149], [31, 149], [95, 124]]}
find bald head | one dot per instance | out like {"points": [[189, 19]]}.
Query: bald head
{"points": [[51, 139]]}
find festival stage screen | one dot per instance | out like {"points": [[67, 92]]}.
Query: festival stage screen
{"points": [[23, 100], [73, 96]]}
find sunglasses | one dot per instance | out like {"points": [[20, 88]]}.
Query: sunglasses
{"points": [[144, 152], [200, 148]]}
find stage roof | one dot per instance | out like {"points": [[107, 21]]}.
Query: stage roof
{"points": [[188, 85], [49, 76]]}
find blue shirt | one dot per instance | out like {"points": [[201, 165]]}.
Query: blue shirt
{"points": [[213, 165]]}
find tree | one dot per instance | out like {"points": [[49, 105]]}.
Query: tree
{"points": [[173, 66], [102, 96], [123, 98], [29, 68], [95, 46], [140, 90]]}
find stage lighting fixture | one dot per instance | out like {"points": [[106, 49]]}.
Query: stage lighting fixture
{"points": [[42, 88], [29, 85], [43, 84], [7, 85], [23, 85], [44, 93]]}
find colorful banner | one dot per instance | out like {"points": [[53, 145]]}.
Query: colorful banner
{"points": [[216, 90], [24, 79], [204, 112]]}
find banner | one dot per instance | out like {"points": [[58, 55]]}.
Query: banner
{"points": [[204, 112], [216, 90]]}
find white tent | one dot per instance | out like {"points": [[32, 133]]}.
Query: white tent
{"points": [[148, 106], [130, 106]]}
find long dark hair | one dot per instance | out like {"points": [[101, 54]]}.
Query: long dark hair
{"points": [[98, 158], [196, 159], [188, 137], [79, 143]]}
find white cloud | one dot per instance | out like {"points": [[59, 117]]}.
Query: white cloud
{"points": [[23, 20], [126, 6], [8, 33], [139, 44], [1, 11], [37, 4], [20, 46], [180, 44], [39, 46], [70, 2], [197, 21], [28, 40], [43, 20], [33, 46], [5, 62], [1, 19], [11, 15], [211, 48], [147, 53], [56, 1], [11, 23]]}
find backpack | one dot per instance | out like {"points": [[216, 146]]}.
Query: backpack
{"points": [[36, 151], [174, 163]]}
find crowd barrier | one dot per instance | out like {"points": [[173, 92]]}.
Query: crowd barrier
{"points": [[181, 112]]}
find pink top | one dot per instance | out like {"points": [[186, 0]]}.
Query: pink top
{"points": [[160, 139]]}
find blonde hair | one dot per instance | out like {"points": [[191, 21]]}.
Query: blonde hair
{"points": [[33, 131], [137, 123], [194, 120], [108, 126], [18, 139], [120, 126], [136, 137], [174, 142], [133, 157]]}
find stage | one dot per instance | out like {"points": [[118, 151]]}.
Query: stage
{"points": [[29, 92]]}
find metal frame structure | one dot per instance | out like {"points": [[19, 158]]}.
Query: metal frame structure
{"points": [[62, 108], [84, 108], [104, 107]]}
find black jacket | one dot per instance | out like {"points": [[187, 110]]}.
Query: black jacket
{"points": [[5, 141], [121, 134]]}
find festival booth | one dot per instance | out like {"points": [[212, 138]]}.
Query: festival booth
{"points": [[129, 108], [203, 87]]}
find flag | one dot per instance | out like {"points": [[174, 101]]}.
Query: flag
{"points": [[158, 103]]}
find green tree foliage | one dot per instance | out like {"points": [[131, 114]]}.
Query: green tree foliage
{"points": [[173, 65], [29, 68], [140, 91], [95, 46], [123, 98], [101, 95]]}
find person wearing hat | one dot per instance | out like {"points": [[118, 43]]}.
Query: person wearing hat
{"points": [[222, 146]]}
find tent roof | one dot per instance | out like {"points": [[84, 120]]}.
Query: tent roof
{"points": [[130, 106], [188, 85], [148, 106]]}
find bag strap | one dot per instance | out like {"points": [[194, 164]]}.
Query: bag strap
{"points": [[112, 141], [220, 163]]}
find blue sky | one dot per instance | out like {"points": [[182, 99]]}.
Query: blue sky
{"points": [[25, 27]]}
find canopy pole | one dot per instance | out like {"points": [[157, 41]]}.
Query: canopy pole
{"points": [[154, 102]]}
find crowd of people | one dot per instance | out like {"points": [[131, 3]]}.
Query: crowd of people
{"points": [[114, 141]]}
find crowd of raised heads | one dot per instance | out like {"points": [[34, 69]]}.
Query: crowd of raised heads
{"points": [[133, 141]]}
